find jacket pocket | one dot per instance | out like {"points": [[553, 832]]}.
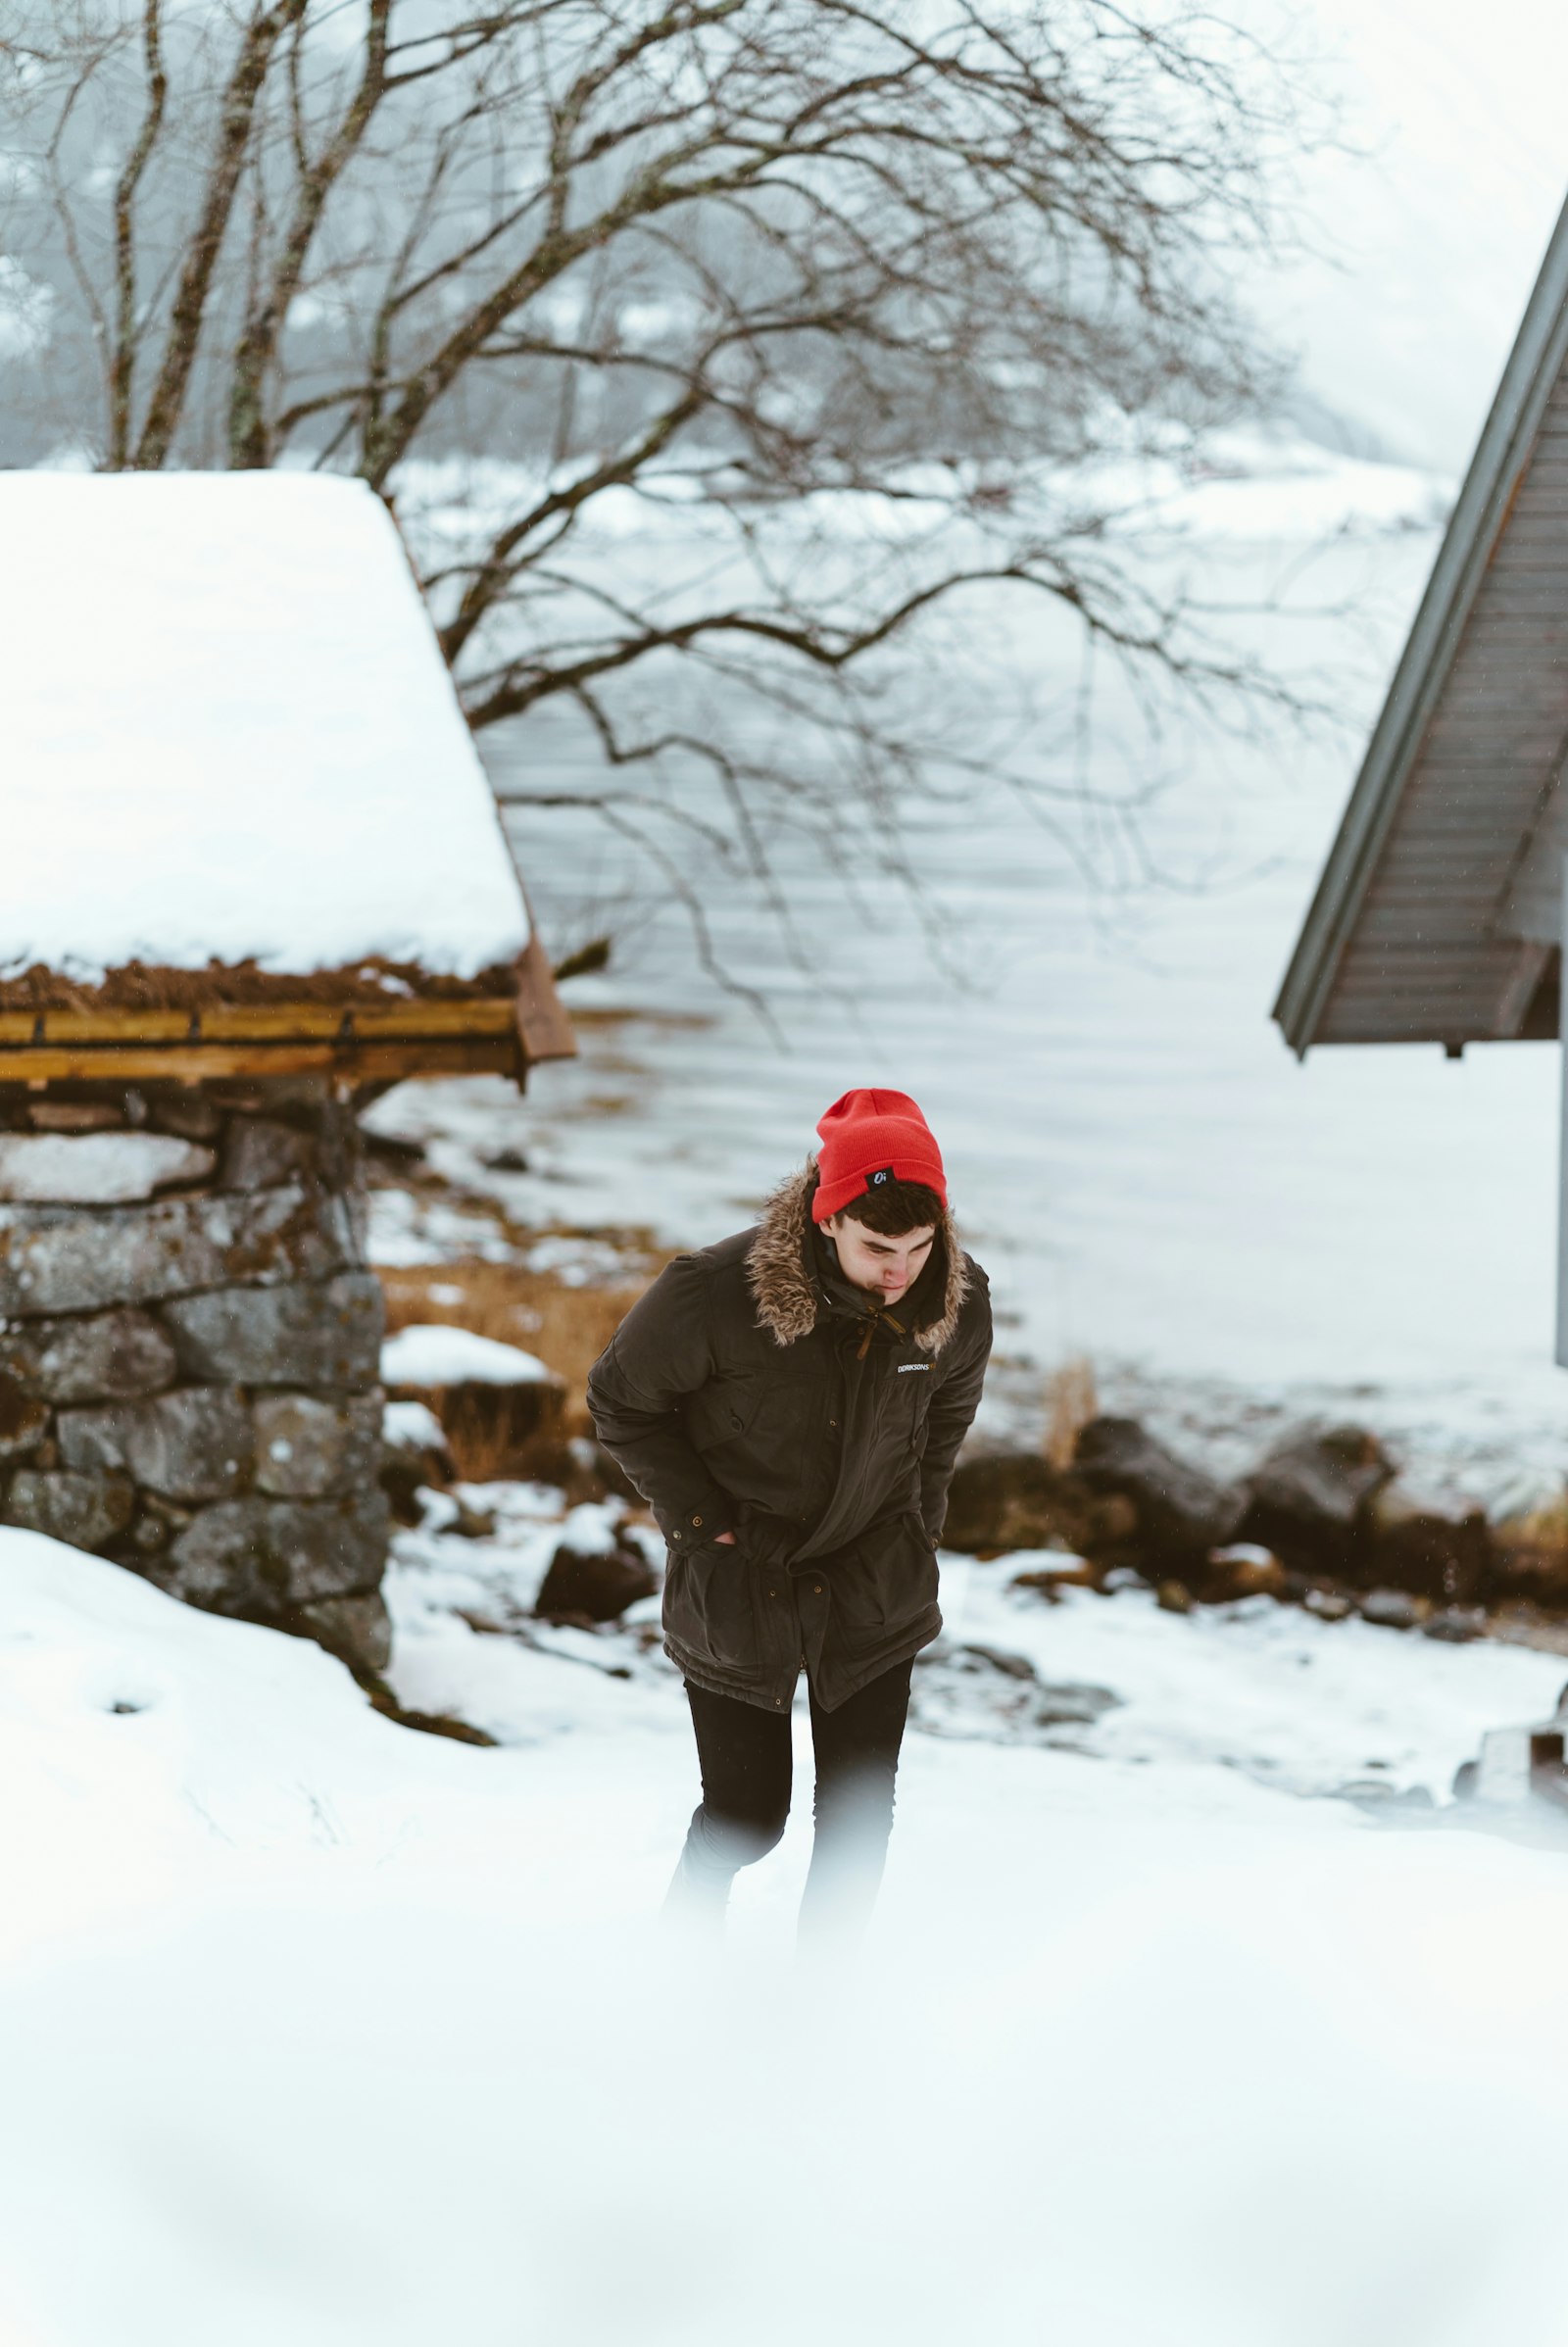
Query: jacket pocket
{"points": [[711, 1607], [886, 1577]]}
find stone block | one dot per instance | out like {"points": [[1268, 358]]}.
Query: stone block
{"points": [[74, 1116], [307, 1448], [1002, 1500], [84, 1510], [326, 1333], [107, 1356], [188, 1111], [24, 1418], [83, 1260], [1180, 1509], [1432, 1543], [596, 1586], [194, 1443], [259, 1153], [96, 1169], [1307, 1500], [357, 1630], [267, 1555], [1529, 1540]]}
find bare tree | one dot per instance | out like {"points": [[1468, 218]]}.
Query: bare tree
{"points": [[772, 331]]}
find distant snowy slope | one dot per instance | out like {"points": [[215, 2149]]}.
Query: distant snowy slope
{"points": [[228, 735]]}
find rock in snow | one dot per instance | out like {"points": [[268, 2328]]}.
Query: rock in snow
{"points": [[1179, 1508], [594, 1584], [412, 1426], [1309, 1494]]}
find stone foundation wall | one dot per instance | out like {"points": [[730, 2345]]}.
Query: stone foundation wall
{"points": [[189, 1342]]}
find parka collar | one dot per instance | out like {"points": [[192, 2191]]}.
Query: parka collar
{"points": [[780, 1273]]}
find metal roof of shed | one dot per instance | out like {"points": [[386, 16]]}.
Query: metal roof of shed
{"points": [[1438, 912]]}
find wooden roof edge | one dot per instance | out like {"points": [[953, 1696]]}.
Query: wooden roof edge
{"points": [[543, 1027], [374, 1061], [1480, 511], [526, 1025], [264, 1023]]}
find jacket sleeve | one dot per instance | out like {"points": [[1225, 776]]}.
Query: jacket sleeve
{"points": [[953, 1404], [661, 1353]]}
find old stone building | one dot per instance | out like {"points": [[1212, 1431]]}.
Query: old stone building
{"points": [[253, 875]]}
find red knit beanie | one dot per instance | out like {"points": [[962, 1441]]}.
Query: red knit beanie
{"points": [[867, 1136]]}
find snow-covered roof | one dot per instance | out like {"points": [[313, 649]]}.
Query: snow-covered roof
{"points": [[228, 735]]}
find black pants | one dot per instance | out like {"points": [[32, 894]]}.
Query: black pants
{"points": [[746, 1756]]}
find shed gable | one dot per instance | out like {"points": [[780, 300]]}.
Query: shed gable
{"points": [[1439, 907]]}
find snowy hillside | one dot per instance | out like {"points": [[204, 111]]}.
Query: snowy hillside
{"points": [[317, 2029]]}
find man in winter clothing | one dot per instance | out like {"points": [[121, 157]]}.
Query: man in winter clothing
{"points": [[790, 1402]]}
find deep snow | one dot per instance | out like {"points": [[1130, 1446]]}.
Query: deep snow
{"points": [[313, 2027]]}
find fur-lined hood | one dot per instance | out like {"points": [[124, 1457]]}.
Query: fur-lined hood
{"points": [[778, 1271]]}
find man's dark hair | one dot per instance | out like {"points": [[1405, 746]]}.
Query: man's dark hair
{"points": [[893, 1208]]}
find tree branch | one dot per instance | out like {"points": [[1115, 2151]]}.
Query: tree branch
{"points": [[127, 330], [239, 100], [249, 440]]}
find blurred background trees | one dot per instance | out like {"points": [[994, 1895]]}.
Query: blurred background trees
{"points": [[722, 359]]}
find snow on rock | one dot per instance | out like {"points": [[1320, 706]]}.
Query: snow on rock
{"points": [[412, 1426], [95, 1169], [433, 1353], [271, 762], [594, 1528]]}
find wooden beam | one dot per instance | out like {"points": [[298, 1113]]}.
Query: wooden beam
{"points": [[68, 1026], [200, 1063], [479, 1015], [266, 1022]]}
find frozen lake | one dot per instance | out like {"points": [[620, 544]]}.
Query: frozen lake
{"points": [[1150, 1177]]}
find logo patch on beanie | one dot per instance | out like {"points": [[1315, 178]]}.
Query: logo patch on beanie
{"points": [[878, 1179]]}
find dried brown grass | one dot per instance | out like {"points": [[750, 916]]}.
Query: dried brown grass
{"points": [[1071, 1401], [149, 986], [566, 1328]]}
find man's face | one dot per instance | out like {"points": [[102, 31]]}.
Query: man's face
{"points": [[884, 1268]]}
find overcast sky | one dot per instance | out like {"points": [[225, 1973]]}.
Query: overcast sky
{"points": [[1439, 234]]}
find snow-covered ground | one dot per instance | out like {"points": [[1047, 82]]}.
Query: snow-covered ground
{"points": [[312, 2027]]}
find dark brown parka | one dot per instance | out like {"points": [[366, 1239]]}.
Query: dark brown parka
{"points": [[752, 1391]]}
